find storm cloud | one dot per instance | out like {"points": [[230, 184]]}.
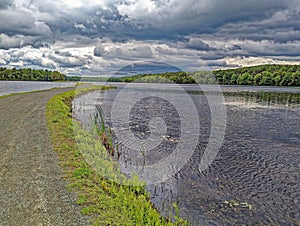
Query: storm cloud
{"points": [[96, 37]]}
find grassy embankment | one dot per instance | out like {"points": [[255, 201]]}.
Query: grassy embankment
{"points": [[107, 202]]}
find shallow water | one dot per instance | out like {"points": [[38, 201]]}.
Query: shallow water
{"points": [[254, 179], [9, 87]]}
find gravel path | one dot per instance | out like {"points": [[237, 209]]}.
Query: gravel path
{"points": [[33, 191]]}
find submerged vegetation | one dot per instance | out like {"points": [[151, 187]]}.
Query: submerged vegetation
{"points": [[268, 98], [106, 201]]}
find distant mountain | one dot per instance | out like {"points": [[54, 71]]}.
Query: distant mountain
{"points": [[146, 68]]}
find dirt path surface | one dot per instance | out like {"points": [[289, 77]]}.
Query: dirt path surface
{"points": [[32, 190]]}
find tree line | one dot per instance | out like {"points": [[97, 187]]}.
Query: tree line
{"points": [[28, 74], [176, 77], [263, 75]]}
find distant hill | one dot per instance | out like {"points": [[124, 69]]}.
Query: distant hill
{"points": [[146, 68]]}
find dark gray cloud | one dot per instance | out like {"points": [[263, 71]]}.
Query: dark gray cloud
{"points": [[99, 51], [197, 44], [91, 36], [19, 41], [193, 16], [20, 22], [4, 4]]}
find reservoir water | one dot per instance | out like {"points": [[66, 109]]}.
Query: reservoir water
{"points": [[254, 179], [9, 87]]}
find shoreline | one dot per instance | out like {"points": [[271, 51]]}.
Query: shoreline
{"points": [[97, 195]]}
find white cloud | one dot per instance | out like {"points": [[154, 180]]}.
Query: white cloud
{"points": [[129, 50], [7, 42], [253, 61]]}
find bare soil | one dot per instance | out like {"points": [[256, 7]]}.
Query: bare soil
{"points": [[32, 188]]}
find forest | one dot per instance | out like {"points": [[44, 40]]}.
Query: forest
{"points": [[263, 75], [28, 74]]}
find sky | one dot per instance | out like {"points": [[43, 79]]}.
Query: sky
{"points": [[99, 37]]}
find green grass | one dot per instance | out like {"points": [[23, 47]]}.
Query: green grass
{"points": [[107, 202], [8, 95], [82, 84]]}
